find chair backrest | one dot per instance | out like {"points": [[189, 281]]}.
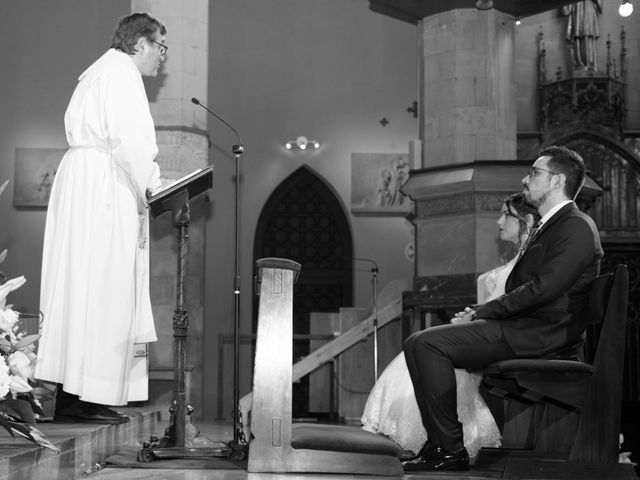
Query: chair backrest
{"points": [[607, 305], [598, 432], [594, 313], [599, 298], [611, 341]]}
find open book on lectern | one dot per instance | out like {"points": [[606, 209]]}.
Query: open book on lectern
{"points": [[174, 195]]}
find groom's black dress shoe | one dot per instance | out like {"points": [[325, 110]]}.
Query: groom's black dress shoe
{"points": [[426, 449], [438, 460]]}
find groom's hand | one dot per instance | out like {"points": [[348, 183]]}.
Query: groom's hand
{"points": [[467, 315]]}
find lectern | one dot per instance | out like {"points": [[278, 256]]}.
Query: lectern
{"points": [[175, 199]]}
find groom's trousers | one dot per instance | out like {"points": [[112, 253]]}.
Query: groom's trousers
{"points": [[432, 354]]}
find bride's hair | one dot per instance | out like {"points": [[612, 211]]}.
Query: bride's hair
{"points": [[518, 208]]}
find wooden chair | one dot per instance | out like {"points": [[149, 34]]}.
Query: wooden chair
{"points": [[546, 398], [278, 445]]}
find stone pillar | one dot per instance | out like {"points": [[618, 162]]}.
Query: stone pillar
{"points": [[183, 147], [468, 91], [456, 209], [468, 131]]}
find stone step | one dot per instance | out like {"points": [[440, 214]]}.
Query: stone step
{"points": [[82, 447]]}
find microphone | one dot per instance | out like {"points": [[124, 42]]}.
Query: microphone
{"points": [[368, 260], [236, 148]]}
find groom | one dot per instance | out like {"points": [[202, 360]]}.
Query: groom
{"points": [[535, 317]]}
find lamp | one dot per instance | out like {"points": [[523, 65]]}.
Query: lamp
{"points": [[484, 4], [625, 9], [301, 143]]}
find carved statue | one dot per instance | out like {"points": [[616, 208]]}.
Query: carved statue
{"points": [[583, 31]]}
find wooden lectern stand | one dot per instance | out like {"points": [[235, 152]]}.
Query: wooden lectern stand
{"points": [[175, 198]]}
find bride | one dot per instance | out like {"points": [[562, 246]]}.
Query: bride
{"points": [[391, 408]]}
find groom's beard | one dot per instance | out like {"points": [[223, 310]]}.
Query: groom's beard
{"points": [[533, 199]]}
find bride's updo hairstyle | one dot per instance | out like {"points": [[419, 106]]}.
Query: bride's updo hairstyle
{"points": [[518, 208]]}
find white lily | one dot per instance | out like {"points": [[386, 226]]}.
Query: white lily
{"points": [[9, 286], [19, 385]]}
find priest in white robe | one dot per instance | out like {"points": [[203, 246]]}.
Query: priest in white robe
{"points": [[95, 268]]}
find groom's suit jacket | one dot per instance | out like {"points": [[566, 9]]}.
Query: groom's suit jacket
{"points": [[542, 310]]}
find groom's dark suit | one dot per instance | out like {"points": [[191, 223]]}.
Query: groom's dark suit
{"points": [[548, 287], [540, 313]]}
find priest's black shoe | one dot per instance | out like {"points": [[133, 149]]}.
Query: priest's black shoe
{"points": [[70, 409], [85, 412], [438, 460]]}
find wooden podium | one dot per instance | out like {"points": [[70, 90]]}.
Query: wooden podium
{"points": [[175, 198]]}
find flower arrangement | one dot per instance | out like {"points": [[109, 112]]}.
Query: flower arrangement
{"points": [[18, 406]]}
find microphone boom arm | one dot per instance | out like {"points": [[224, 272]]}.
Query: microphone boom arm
{"points": [[237, 149]]}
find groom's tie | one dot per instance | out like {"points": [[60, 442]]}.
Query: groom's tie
{"points": [[530, 238]]}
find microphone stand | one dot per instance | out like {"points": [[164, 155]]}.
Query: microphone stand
{"points": [[374, 283], [237, 151], [238, 450]]}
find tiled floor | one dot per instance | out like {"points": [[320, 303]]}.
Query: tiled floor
{"points": [[224, 432], [83, 451]]}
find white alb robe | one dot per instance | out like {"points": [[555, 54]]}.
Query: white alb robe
{"points": [[95, 267]]}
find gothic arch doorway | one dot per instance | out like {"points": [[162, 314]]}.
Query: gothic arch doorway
{"points": [[304, 220]]}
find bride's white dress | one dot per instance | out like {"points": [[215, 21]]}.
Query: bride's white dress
{"points": [[392, 410]]}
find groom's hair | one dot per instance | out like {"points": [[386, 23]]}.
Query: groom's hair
{"points": [[568, 163]]}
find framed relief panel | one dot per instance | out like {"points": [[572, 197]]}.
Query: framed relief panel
{"points": [[376, 179]]}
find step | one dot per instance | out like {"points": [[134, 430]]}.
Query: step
{"points": [[82, 446]]}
